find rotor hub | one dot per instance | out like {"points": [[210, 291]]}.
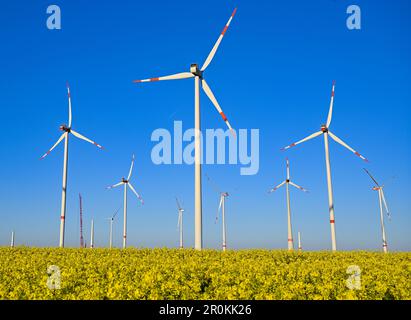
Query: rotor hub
{"points": [[64, 128], [324, 128], [124, 180], [195, 70]]}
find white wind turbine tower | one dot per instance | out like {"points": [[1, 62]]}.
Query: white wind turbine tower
{"points": [[12, 240], [381, 199], [66, 132], [111, 219], [92, 234], [198, 76], [180, 223], [288, 182], [325, 132], [300, 248], [126, 183]]}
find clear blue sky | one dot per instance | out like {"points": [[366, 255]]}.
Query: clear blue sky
{"points": [[273, 72]]}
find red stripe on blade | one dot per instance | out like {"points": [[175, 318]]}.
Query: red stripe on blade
{"points": [[224, 30], [332, 221], [234, 12], [223, 116], [154, 79], [62, 218]]}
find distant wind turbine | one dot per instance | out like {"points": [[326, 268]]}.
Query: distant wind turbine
{"points": [[180, 222], [381, 199], [126, 183], [325, 132], [111, 219], [66, 132], [12, 240], [92, 234], [221, 207], [300, 248], [197, 74], [286, 183]]}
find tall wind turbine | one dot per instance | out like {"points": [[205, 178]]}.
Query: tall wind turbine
{"points": [[111, 219], [288, 182], [127, 184], [300, 248], [180, 223], [197, 74], [381, 199], [66, 132], [325, 132]]}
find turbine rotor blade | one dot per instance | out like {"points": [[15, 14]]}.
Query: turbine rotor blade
{"points": [[78, 135], [131, 168], [115, 185], [216, 45], [277, 187], [330, 112], [182, 75], [115, 213], [298, 187], [69, 105], [316, 134], [135, 192], [211, 96], [385, 204], [338, 140], [178, 204], [375, 181], [288, 169], [55, 145]]}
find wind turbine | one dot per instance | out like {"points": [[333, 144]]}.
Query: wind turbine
{"points": [[12, 240], [180, 222], [288, 182], [198, 76], [66, 132], [221, 207], [92, 234], [126, 183], [381, 199], [300, 248], [111, 219], [325, 132]]}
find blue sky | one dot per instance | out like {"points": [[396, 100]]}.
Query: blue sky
{"points": [[273, 72]]}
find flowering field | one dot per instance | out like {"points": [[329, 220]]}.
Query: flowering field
{"points": [[34, 273]]}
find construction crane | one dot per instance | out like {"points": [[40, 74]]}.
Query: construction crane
{"points": [[82, 245]]}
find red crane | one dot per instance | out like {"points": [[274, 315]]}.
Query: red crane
{"points": [[81, 222]]}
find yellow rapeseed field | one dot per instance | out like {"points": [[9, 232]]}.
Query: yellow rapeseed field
{"points": [[50, 273]]}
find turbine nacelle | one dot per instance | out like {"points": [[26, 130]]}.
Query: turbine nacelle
{"points": [[64, 128], [124, 180], [224, 194], [324, 128], [195, 70]]}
